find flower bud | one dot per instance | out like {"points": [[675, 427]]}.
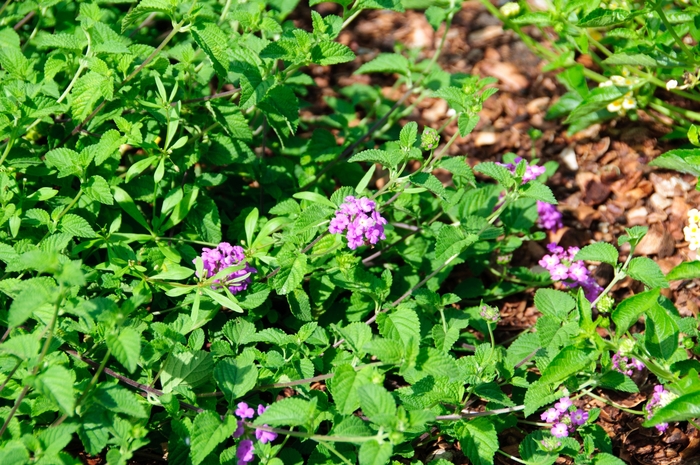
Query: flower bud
{"points": [[672, 84], [626, 347], [490, 313], [605, 304], [510, 9], [430, 139]]}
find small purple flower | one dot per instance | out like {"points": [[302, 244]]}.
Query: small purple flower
{"points": [[549, 218], [637, 364], [244, 452], [550, 415], [560, 272], [243, 411], [579, 417], [549, 261], [240, 429], [222, 257], [261, 409], [265, 436], [532, 172], [563, 404], [660, 398], [361, 220], [562, 267], [578, 272], [560, 430]]}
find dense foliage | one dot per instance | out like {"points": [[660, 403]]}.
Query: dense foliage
{"points": [[184, 258]]}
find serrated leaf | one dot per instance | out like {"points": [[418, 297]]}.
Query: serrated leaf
{"points": [[538, 191], [331, 53], [23, 346], [65, 160], [386, 63], [554, 303], [629, 310], [281, 109], [661, 333], [598, 252], [212, 40], [683, 160], [430, 182], [98, 190], [408, 135], [376, 403], [566, 363], [32, 297], [118, 399], [126, 347], [208, 431], [344, 387], [291, 411], [618, 381], [235, 378], [647, 271], [356, 335], [603, 17], [452, 240], [190, 368], [497, 172], [290, 276], [479, 440], [386, 350], [374, 156], [56, 384], [76, 226], [373, 453], [402, 325], [85, 94], [146, 6], [466, 123], [686, 270]]}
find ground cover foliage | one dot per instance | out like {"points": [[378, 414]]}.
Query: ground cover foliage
{"points": [[189, 266]]}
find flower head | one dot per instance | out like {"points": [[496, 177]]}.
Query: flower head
{"points": [[550, 415], [660, 398], [244, 452], [563, 404], [243, 411], [265, 436], [532, 172], [510, 9], [562, 267], [579, 417], [223, 256], [360, 220], [490, 313], [549, 217]]}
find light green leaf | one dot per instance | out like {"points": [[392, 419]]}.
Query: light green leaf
{"points": [[76, 226], [386, 63], [683, 160], [126, 347], [538, 191], [208, 431], [23, 346], [452, 240], [213, 41], [386, 350], [235, 378], [466, 123], [497, 172], [314, 198], [223, 300], [686, 270], [661, 334], [602, 17], [377, 403], [56, 384], [87, 91], [373, 453], [290, 276], [566, 363], [65, 160], [291, 411], [554, 303], [598, 252], [430, 182], [98, 190], [647, 271], [479, 440], [190, 368], [408, 135], [629, 310], [118, 399], [250, 222], [331, 53], [344, 387]]}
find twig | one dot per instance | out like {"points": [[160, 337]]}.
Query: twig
{"points": [[24, 20]]}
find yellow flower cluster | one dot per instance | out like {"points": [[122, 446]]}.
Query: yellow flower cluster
{"points": [[692, 231], [627, 102]]}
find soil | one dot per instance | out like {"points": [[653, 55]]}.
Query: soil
{"points": [[603, 184]]}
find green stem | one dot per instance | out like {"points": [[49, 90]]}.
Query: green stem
{"points": [[350, 18], [316, 437], [515, 459], [659, 9], [224, 12], [666, 108], [8, 147], [4, 5], [613, 404]]}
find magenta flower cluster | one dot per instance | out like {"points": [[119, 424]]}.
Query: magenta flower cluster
{"points": [[562, 267], [549, 218], [223, 256], [563, 420], [361, 221], [244, 452], [532, 172], [659, 398], [626, 365]]}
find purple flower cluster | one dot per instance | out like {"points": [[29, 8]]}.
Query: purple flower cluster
{"points": [[244, 452], [361, 220], [549, 218], [223, 256], [563, 420], [626, 365], [660, 398], [562, 267], [490, 314], [532, 172]]}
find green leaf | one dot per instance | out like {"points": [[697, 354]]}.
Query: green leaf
{"points": [[386, 63], [208, 431], [76, 226], [281, 109], [56, 384], [291, 411], [356, 335], [566, 363], [223, 300], [408, 135], [127, 204], [118, 399], [479, 440], [683, 160], [430, 182], [290, 276], [598, 252], [386, 350], [373, 453], [146, 6], [402, 325], [661, 334], [250, 222], [174, 272], [629, 310], [314, 198], [14, 453], [126, 347], [492, 391], [189, 368], [23, 346], [603, 17], [65, 160], [212, 40], [647, 271], [685, 407], [300, 305], [32, 297], [14, 62], [618, 381], [538, 191], [377, 403], [235, 378], [466, 123], [631, 59], [97, 189], [331, 53], [554, 303], [452, 240], [382, 157], [87, 91], [604, 458], [497, 172], [686, 270], [344, 386]]}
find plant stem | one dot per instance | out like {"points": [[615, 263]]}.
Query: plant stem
{"points": [[515, 459], [315, 437], [659, 10], [611, 403]]}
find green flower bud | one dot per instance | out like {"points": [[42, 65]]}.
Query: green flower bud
{"points": [[430, 139], [626, 347], [510, 9], [605, 304]]}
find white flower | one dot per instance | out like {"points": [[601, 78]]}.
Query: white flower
{"points": [[628, 103], [693, 216], [616, 106], [672, 84], [605, 84], [510, 9]]}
